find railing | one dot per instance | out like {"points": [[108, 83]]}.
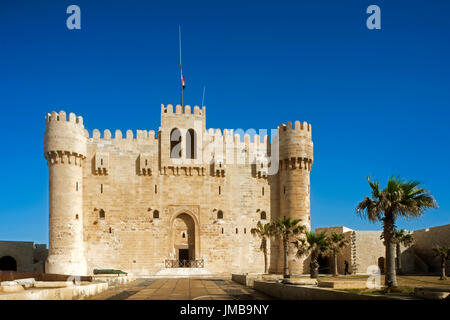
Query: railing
{"points": [[184, 263]]}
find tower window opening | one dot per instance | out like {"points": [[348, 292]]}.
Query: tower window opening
{"points": [[76, 216], [220, 190], [245, 230], [146, 162], [219, 214], [156, 188], [101, 214], [101, 162], [183, 235], [284, 189], [175, 144], [101, 188], [263, 215], [262, 190], [110, 230], [222, 230], [156, 214], [76, 186], [191, 144], [236, 230]]}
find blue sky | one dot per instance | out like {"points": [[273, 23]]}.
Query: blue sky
{"points": [[378, 100]]}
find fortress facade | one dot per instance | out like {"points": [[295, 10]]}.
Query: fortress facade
{"points": [[182, 197]]}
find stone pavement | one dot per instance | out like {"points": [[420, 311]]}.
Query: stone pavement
{"points": [[181, 289]]}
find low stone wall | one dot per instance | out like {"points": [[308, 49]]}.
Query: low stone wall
{"points": [[39, 276], [113, 280], [67, 293], [240, 278], [292, 292], [249, 279]]}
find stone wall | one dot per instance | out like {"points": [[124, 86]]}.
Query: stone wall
{"points": [[28, 256], [426, 239]]}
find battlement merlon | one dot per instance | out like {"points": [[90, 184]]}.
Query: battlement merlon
{"points": [[64, 136], [168, 110]]}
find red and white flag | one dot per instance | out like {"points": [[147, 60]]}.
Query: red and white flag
{"points": [[183, 85]]}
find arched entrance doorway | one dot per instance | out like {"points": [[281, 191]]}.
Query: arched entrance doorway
{"points": [[183, 236], [8, 263]]}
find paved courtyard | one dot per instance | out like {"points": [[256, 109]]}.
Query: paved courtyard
{"points": [[181, 289]]}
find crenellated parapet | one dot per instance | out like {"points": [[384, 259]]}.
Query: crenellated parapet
{"points": [[141, 136], [296, 146], [231, 147], [64, 139], [178, 110]]}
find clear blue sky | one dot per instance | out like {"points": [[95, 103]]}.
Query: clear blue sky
{"points": [[378, 101]]}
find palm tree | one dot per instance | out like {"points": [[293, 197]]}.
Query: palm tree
{"points": [[286, 228], [399, 198], [264, 232], [444, 254], [337, 242], [401, 237], [315, 243]]}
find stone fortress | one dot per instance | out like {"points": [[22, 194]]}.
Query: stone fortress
{"points": [[147, 203]]}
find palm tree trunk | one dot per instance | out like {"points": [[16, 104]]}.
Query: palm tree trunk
{"points": [[391, 277], [443, 276], [335, 272], [314, 266], [265, 260], [399, 258], [286, 267]]}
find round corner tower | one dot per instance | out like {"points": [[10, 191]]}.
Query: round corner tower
{"points": [[296, 159], [65, 150]]}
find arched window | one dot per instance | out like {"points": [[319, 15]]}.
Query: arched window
{"points": [[191, 144], [175, 144], [156, 214], [101, 214], [219, 214], [263, 215], [8, 263]]}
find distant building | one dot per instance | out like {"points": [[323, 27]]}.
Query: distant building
{"points": [[22, 256], [366, 248]]}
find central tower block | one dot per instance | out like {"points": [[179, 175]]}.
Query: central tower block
{"points": [[296, 159], [65, 150]]}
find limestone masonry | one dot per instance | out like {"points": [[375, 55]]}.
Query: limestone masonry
{"points": [[146, 203]]}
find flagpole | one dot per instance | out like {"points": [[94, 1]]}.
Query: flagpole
{"points": [[203, 97], [181, 69]]}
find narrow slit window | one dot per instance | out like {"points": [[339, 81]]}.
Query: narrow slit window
{"points": [[222, 230], [220, 190], [236, 230], [101, 162], [110, 230], [219, 214], [262, 191], [101, 214], [156, 214], [101, 188], [245, 230], [156, 188], [76, 187], [76, 216]]}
